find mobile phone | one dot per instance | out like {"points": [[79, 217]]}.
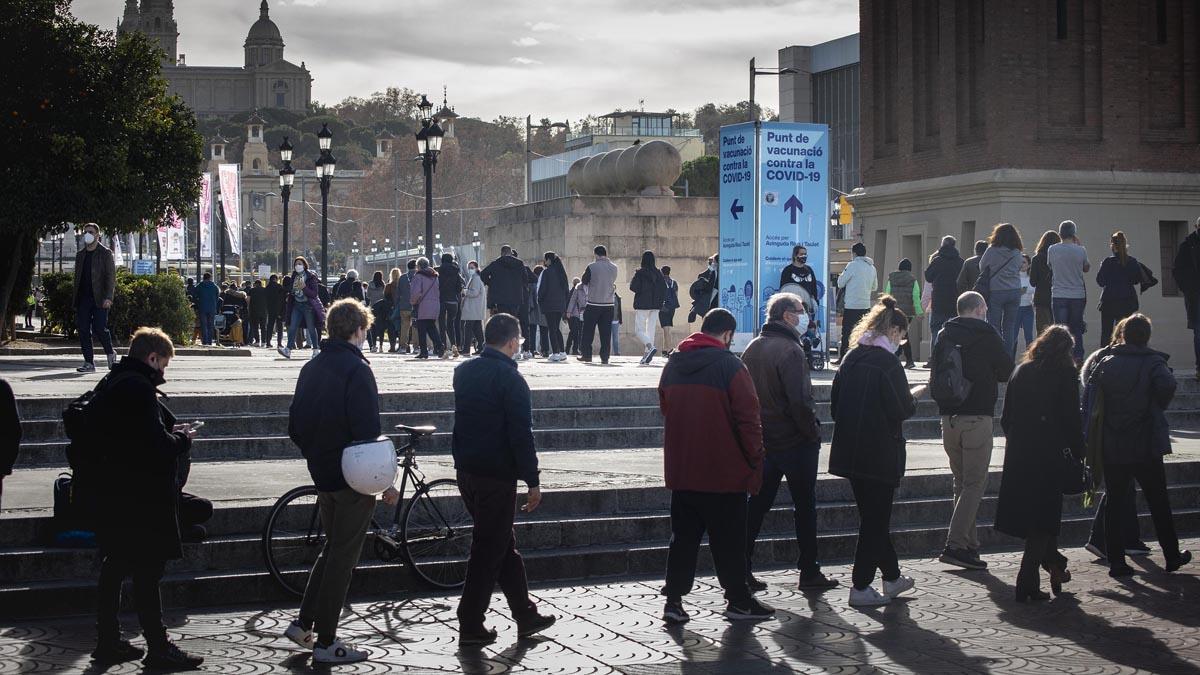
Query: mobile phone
{"points": [[197, 424]]}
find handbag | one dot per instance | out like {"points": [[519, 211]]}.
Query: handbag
{"points": [[983, 283], [1074, 475]]}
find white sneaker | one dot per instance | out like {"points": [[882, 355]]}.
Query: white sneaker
{"points": [[298, 634], [314, 353], [901, 585], [339, 652], [527, 355], [867, 597], [285, 352]]}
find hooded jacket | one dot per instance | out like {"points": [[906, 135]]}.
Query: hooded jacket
{"points": [[578, 302], [450, 282], [425, 294], [869, 402], [1041, 277], [505, 279], [1137, 387], [553, 289], [942, 272], [779, 369], [713, 434], [986, 363], [860, 281], [474, 303]]}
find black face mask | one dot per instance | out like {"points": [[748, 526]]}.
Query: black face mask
{"points": [[802, 260]]}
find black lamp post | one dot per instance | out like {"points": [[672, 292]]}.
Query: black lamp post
{"points": [[755, 72], [325, 168], [287, 175], [429, 144]]}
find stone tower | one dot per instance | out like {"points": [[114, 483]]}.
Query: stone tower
{"points": [[264, 43], [157, 21], [254, 153]]}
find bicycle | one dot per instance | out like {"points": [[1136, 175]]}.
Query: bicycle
{"points": [[431, 533]]}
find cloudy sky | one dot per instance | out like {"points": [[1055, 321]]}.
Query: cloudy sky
{"points": [[561, 59]]}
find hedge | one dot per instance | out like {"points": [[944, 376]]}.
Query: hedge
{"points": [[152, 300]]}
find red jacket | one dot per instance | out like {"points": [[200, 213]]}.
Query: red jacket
{"points": [[713, 438]]}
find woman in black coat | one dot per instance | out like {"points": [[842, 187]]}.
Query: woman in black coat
{"points": [[1041, 421], [552, 295]]}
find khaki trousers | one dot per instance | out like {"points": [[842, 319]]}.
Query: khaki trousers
{"points": [[968, 443]]}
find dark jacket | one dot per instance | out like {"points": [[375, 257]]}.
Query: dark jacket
{"points": [[804, 277], [1137, 387], [257, 295], [779, 369], [401, 293], [103, 275], [942, 271], [649, 288], [553, 291], [505, 279], [350, 288], [1187, 266], [138, 495], [703, 292], [493, 420], [1041, 277], [713, 434], [967, 276], [986, 363], [208, 297], [450, 282], [276, 297], [312, 292], [869, 402], [336, 404], [10, 429], [1119, 282], [1040, 419]]}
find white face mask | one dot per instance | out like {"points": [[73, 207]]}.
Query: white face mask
{"points": [[802, 323], [712, 268], [471, 270], [299, 269], [89, 238]]}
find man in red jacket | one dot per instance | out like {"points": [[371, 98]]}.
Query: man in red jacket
{"points": [[713, 456]]}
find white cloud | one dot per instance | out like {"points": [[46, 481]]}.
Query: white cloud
{"points": [[542, 26], [522, 61], [527, 42]]}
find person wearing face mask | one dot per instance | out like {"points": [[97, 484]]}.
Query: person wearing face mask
{"points": [[799, 273], [713, 456], [869, 402], [791, 433], [474, 310], [303, 306], [705, 290], [138, 520], [95, 283]]}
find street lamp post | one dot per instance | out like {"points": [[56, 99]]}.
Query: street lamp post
{"points": [[429, 144], [287, 176], [754, 72], [529, 129], [325, 168], [475, 243]]}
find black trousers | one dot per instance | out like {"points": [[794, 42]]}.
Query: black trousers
{"points": [[906, 349], [723, 516], [1131, 530], [800, 469], [874, 550], [146, 573], [427, 328], [593, 316], [1118, 485], [258, 329], [1040, 549], [274, 325], [448, 322], [472, 333], [554, 332], [1112, 311], [574, 328], [494, 557], [850, 318]]}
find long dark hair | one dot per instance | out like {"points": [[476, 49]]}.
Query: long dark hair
{"points": [[1052, 348], [648, 262], [1049, 238], [1004, 234], [1120, 246]]}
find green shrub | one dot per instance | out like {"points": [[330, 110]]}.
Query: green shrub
{"points": [[60, 302], [153, 300]]}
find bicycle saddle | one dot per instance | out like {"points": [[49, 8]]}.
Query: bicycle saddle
{"points": [[416, 431]]}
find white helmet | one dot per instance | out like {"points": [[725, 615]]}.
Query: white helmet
{"points": [[370, 467]]}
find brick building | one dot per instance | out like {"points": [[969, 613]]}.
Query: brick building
{"points": [[1031, 112]]}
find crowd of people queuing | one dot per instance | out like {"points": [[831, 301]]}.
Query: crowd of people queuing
{"points": [[735, 427]]}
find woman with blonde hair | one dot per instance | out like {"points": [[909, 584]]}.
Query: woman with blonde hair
{"points": [[1118, 277]]}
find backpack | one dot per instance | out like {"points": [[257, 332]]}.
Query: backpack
{"points": [[947, 384], [78, 424], [700, 289]]}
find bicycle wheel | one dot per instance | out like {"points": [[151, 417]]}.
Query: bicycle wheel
{"points": [[293, 538], [437, 534]]}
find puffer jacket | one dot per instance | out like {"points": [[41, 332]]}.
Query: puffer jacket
{"points": [[1137, 386], [869, 402], [902, 284], [424, 294]]}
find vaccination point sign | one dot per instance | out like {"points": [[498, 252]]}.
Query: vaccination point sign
{"points": [[774, 195]]}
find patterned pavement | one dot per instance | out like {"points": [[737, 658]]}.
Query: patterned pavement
{"points": [[954, 622]]}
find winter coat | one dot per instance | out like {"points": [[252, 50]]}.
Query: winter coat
{"points": [[704, 292], [1040, 419], [649, 288], [968, 275], [1004, 266], [942, 271], [276, 297], [554, 290], [712, 439], [208, 298], [1118, 282], [450, 282], [779, 370], [425, 294], [1137, 387], [493, 420], [474, 303], [1041, 278], [138, 495], [350, 288], [601, 279], [902, 284], [860, 281], [505, 279], [869, 402], [10, 429], [103, 275], [257, 295], [577, 303], [985, 363], [375, 293], [311, 293], [1187, 275]]}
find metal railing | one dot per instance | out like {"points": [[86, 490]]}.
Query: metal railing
{"points": [[634, 131]]}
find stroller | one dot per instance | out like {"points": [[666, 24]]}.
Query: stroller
{"points": [[811, 342], [229, 326]]}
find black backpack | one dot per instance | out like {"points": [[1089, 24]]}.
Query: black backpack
{"points": [[80, 428], [947, 384]]}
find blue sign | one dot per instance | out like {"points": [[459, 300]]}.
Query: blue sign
{"points": [[737, 233], [143, 267]]}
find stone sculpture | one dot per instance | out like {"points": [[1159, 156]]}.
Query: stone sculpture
{"points": [[647, 169]]}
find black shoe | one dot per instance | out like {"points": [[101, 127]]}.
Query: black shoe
{"points": [[1184, 558], [749, 610], [1119, 572], [583, 359], [673, 612], [117, 651], [1032, 595], [192, 534], [1140, 548], [816, 581], [171, 658], [960, 557], [910, 365], [534, 625], [755, 585], [476, 638]]}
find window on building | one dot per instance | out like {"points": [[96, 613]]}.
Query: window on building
{"points": [[279, 101], [1060, 11], [1170, 235], [255, 131], [257, 164]]}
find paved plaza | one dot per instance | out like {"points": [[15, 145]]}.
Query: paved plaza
{"points": [[954, 622]]}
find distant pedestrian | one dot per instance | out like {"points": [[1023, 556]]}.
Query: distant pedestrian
{"points": [[902, 285], [10, 432], [1000, 282], [1068, 295], [869, 402], [800, 274], [450, 288], [858, 282], [424, 297], [493, 448], [208, 303], [969, 273], [942, 272], [1041, 422], [1042, 279], [1187, 277], [649, 289], [303, 307], [400, 290], [600, 278], [575, 308], [552, 297], [791, 433], [257, 297], [705, 291], [617, 320], [376, 289], [505, 279], [350, 287], [474, 311], [666, 316], [713, 456], [1025, 316], [531, 318], [95, 284], [1118, 278]]}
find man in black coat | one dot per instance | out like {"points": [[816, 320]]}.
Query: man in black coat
{"points": [[1187, 276], [10, 432], [493, 449], [139, 446], [275, 297], [942, 273], [450, 287], [505, 279]]}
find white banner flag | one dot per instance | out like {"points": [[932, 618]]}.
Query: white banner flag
{"points": [[206, 215], [118, 254], [175, 238], [161, 231], [231, 200]]}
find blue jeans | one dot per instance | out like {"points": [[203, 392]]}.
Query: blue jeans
{"points": [[616, 339], [91, 319], [936, 321], [1069, 312], [800, 468], [1003, 308], [1025, 324], [208, 327], [301, 311]]}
